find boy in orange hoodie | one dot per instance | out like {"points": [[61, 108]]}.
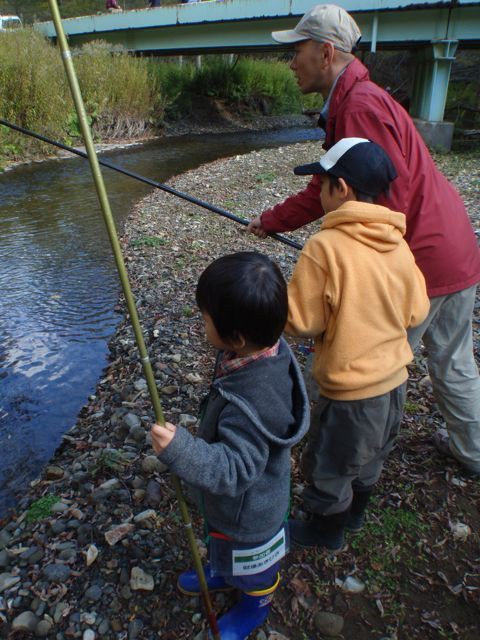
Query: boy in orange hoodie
{"points": [[356, 290]]}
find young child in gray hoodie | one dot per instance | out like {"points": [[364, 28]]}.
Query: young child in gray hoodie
{"points": [[257, 409]]}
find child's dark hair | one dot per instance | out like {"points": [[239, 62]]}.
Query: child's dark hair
{"points": [[245, 294]]}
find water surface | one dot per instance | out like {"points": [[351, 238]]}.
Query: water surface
{"points": [[59, 286]]}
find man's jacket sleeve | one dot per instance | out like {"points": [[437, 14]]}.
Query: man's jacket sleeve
{"points": [[294, 212]]}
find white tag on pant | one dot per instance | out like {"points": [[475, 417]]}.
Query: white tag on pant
{"points": [[246, 562]]}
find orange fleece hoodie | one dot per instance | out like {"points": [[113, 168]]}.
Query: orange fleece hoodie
{"points": [[355, 290]]}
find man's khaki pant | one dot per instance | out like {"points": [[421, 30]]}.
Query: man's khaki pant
{"points": [[447, 335]]}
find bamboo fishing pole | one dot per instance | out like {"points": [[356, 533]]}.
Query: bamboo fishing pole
{"points": [[153, 183], [110, 224]]}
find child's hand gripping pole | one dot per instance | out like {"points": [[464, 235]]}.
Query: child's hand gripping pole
{"points": [[109, 222]]}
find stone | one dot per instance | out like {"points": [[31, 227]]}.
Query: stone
{"points": [[137, 434], [138, 495], [7, 581], [153, 496], [110, 485], [328, 624], [53, 472], [94, 593], [56, 572], [88, 617], [61, 610], [135, 628], [43, 628], [59, 507], [67, 555], [141, 581], [140, 384], [32, 555], [117, 533], [92, 554], [350, 585], [145, 516], [169, 389], [138, 482], [186, 420], [116, 625], [5, 538], [460, 530], [88, 634], [131, 420], [57, 527], [151, 464], [425, 383], [103, 627], [26, 621], [4, 559], [194, 378]]}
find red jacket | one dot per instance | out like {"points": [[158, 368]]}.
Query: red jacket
{"points": [[439, 231]]}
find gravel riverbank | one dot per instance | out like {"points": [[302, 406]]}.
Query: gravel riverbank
{"points": [[95, 546]]}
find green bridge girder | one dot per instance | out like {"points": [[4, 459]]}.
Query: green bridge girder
{"points": [[432, 28]]}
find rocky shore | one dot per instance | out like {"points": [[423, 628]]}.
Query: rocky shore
{"points": [[95, 545]]}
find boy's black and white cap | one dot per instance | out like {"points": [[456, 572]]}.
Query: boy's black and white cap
{"points": [[363, 164]]}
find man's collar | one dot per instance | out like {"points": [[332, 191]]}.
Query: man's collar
{"points": [[322, 120]]}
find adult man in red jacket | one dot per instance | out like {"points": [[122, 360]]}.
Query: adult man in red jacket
{"points": [[438, 228]]}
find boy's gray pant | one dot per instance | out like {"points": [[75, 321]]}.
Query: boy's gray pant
{"points": [[447, 335], [347, 445]]}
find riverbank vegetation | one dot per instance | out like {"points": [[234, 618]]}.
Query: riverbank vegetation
{"points": [[126, 97], [132, 98]]}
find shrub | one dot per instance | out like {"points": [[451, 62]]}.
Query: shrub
{"points": [[33, 88], [117, 89]]}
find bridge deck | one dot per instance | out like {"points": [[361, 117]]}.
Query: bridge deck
{"points": [[247, 24]]}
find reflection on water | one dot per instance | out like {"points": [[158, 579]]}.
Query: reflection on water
{"points": [[59, 286]]}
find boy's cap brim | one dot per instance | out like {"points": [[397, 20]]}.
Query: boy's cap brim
{"points": [[309, 169]]}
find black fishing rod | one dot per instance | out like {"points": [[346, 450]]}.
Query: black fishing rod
{"points": [[149, 181]]}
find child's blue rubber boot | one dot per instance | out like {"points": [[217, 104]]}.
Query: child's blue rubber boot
{"points": [[248, 614], [188, 583]]}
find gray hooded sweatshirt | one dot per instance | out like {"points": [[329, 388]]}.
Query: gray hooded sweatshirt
{"points": [[241, 460]]}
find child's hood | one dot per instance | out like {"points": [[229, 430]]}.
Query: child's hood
{"points": [[371, 224], [263, 396]]}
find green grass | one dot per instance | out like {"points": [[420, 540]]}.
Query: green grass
{"points": [[267, 176], [41, 508], [411, 407], [109, 461], [387, 541], [149, 241]]}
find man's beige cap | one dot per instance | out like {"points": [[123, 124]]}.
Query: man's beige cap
{"points": [[324, 23]]}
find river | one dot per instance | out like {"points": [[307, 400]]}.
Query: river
{"points": [[59, 286]]}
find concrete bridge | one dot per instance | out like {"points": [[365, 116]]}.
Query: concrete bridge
{"points": [[433, 28]]}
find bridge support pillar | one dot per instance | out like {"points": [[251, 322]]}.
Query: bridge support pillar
{"points": [[430, 92]]}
